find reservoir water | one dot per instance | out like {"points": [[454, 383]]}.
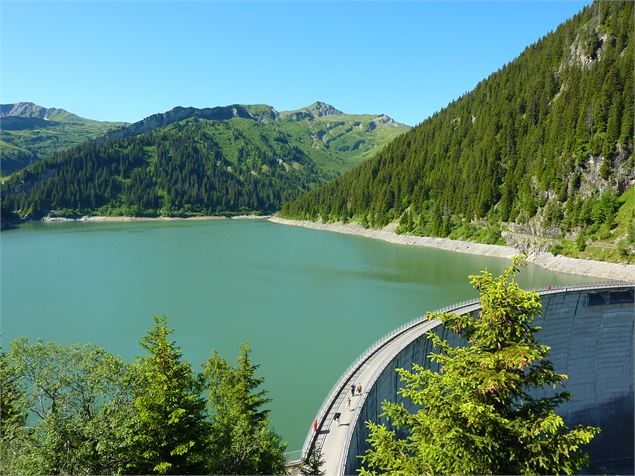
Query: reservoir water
{"points": [[308, 302]]}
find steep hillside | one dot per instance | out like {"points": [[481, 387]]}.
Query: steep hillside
{"points": [[338, 141], [232, 159], [29, 132], [540, 151], [334, 140]]}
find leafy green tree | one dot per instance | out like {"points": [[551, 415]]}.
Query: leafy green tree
{"points": [[242, 440], [479, 414], [80, 399], [93, 413], [12, 414], [172, 436]]}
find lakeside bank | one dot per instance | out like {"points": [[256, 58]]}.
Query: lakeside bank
{"points": [[563, 264], [116, 219], [127, 219]]}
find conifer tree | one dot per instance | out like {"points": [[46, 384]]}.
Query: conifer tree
{"points": [[242, 440], [171, 411], [312, 464]]}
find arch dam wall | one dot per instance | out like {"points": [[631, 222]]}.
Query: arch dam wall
{"points": [[591, 337]]}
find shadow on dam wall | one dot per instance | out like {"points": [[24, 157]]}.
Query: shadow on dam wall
{"points": [[591, 339], [610, 452]]}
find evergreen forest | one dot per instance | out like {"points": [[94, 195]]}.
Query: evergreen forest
{"points": [[538, 155]]}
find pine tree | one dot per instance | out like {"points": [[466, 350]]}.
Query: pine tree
{"points": [[241, 438], [170, 408], [312, 464]]}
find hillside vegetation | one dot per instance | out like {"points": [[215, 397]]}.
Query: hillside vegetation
{"points": [[30, 132], [188, 161], [541, 151]]}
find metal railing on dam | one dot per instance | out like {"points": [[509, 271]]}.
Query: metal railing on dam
{"points": [[334, 437]]}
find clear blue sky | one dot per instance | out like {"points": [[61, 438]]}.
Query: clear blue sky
{"points": [[124, 61]]}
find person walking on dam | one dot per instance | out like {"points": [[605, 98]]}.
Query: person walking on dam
{"points": [[353, 390], [359, 389]]}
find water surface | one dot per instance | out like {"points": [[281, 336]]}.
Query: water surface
{"points": [[307, 301]]}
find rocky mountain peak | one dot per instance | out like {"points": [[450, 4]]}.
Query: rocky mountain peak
{"points": [[31, 110], [24, 109], [320, 109]]}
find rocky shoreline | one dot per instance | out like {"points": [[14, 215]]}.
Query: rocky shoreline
{"points": [[563, 264]]}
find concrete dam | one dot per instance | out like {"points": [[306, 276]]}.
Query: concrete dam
{"points": [[590, 332]]}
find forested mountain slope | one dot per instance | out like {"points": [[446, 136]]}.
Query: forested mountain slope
{"points": [[29, 132], [232, 159], [541, 151]]}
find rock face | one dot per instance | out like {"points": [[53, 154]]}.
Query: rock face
{"points": [[31, 110], [312, 111], [320, 109], [264, 114]]}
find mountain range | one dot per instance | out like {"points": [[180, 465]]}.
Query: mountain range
{"points": [[29, 132], [230, 159]]}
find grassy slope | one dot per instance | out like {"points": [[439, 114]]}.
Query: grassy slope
{"points": [[338, 143], [19, 147], [334, 143]]}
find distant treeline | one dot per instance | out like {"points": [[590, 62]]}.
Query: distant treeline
{"points": [[80, 410], [547, 135]]}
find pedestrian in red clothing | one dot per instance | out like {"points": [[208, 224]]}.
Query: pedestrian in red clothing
{"points": [[314, 426]]}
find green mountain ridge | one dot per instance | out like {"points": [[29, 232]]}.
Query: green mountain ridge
{"points": [[29, 132], [333, 139], [538, 155], [230, 159]]}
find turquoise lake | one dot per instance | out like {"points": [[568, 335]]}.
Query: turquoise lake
{"points": [[308, 302]]}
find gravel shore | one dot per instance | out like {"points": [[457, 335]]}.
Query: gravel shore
{"points": [[115, 219], [563, 264]]}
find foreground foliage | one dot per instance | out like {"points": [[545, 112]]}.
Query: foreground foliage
{"points": [[479, 414], [92, 413], [242, 440]]}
